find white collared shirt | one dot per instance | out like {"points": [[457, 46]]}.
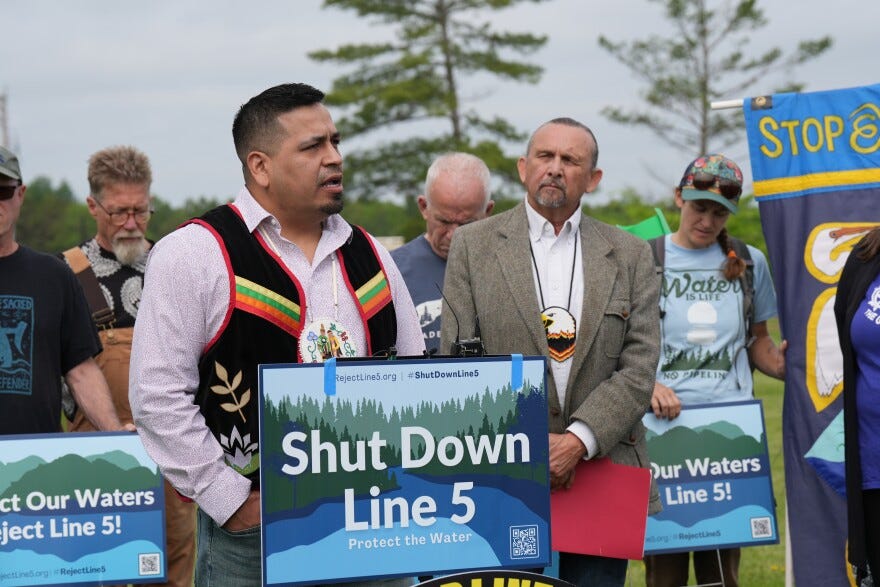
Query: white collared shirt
{"points": [[560, 278], [183, 306]]}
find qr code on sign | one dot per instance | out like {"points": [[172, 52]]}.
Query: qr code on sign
{"points": [[523, 542], [761, 528], [148, 564]]}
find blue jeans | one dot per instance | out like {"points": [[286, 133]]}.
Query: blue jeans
{"points": [[592, 571], [232, 559], [226, 559]]}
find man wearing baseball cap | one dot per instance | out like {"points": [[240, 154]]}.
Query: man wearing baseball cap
{"points": [[46, 332]]}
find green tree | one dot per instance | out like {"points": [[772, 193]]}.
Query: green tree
{"points": [[746, 223], [383, 218], [704, 59], [629, 209], [417, 78], [51, 218], [166, 218]]}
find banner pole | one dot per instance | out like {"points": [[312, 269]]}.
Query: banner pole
{"points": [[726, 104]]}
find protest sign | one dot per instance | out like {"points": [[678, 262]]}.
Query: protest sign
{"points": [[499, 578], [713, 473], [403, 468], [80, 508]]}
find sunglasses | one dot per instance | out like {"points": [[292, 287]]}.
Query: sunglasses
{"points": [[7, 191], [729, 188]]}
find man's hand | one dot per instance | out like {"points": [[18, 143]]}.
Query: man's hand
{"points": [[247, 516], [565, 452], [664, 402], [562, 482]]}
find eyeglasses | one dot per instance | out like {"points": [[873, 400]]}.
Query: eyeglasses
{"points": [[7, 191], [728, 188], [120, 217]]}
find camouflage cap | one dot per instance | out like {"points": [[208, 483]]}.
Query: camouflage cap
{"points": [[9, 164]]}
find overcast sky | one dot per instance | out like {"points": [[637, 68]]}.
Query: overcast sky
{"points": [[168, 77]]}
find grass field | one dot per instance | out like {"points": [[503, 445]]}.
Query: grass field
{"points": [[761, 566]]}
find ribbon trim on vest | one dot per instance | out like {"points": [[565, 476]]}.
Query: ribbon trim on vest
{"points": [[374, 294], [265, 303]]}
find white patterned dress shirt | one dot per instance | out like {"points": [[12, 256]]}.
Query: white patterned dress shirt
{"points": [[185, 299]]}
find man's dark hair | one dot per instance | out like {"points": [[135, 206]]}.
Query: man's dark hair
{"points": [[256, 126], [566, 121]]}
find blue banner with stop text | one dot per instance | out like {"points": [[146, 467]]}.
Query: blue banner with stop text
{"points": [[816, 165]]}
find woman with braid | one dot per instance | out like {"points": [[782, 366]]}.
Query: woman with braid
{"points": [[715, 300]]}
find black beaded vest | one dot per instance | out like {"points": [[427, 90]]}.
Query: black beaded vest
{"points": [[263, 322]]}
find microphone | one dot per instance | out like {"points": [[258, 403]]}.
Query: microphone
{"points": [[469, 347]]}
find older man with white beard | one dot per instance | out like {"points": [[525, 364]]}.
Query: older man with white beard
{"points": [[110, 267]]}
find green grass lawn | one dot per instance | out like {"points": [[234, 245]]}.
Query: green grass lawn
{"points": [[761, 566]]}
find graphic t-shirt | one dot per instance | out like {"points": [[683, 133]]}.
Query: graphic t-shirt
{"points": [[703, 355], [865, 334], [45, 330], [423, 272]]}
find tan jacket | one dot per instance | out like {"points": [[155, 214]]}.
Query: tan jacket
{"points": [[489, 276]]}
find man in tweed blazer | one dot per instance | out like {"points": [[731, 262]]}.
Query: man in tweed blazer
{"points": [[543, 279]]}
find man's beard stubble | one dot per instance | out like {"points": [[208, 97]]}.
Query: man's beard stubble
{"points": [[334, 207], [556, 200]]}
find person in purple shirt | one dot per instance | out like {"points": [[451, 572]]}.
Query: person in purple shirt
{"points": [[857, 310]]}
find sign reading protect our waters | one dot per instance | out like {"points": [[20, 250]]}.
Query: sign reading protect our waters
{"points": [[403, 468], [85, 509], [713, 472]]}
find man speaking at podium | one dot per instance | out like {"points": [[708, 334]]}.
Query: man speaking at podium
{"points": [[544, 279], [255, 282]]}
